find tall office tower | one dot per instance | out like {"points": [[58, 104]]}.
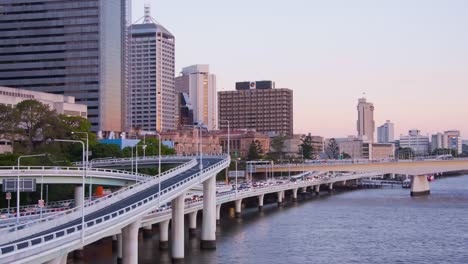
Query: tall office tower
{"points": [[70, 47], [417, 142], [200, 85], [385, 132], [259, 106], [448, 140], [152, 101], [365, 122]]}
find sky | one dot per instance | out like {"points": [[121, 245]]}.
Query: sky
{"points": [[410, 58]]}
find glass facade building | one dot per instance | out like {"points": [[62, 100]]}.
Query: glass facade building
{"points": [[70, 47]]}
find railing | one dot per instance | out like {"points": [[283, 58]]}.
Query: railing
{"points": [[48, 170], [147, 158], [132, 189], [132, 209]]}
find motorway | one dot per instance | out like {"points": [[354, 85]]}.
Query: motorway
{"points": [[7, 246]]}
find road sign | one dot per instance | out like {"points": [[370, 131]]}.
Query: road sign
{"points": [[26, 185], [41, 203], [240, 174], [8, 195]]}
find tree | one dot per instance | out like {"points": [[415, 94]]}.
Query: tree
{"points": [[36, 122], [306, 149], [332, 150], [277, 145], [405, 153], [8, 122], [253, 151], [444, 151], [101, 150], [346, 155]]}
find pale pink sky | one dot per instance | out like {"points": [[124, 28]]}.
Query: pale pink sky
{"points": [[410, 57]]}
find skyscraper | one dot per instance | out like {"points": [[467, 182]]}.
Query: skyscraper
{"points": [[72, 47], [152, 102], [385, 132], [200, 85], [365, 122]]}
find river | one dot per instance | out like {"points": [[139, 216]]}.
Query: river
{"points": [[361, 226]]}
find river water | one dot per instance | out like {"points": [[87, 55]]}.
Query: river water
{"points": [[361, 226]]}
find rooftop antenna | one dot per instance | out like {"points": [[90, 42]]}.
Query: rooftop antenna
{"points": [[147, 19]]}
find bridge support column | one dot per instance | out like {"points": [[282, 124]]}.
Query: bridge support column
{"points": [[294, 195], [238, 208], [304, 189], [344, 183], [218, 214], [130, 243], [114, 242], [330, 187], [280, 198], [148, 231], [260, 202], [78, 195], [420, 186], [208, 235], [317, 189], [193, 224], [58, 260], [164, 234], [119, 248], [177, 229]]}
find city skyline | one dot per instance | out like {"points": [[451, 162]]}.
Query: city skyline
{"points": [[411, 53]]}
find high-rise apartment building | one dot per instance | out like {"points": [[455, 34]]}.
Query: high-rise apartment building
{"points": [[200, 85], [365, 122], [385, 132], [268, 110], [69, 47], [152, 100]]}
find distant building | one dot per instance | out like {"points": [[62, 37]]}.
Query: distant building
{"points": [[465, 146], [267, 110], [365, 122], [291, 145], [152, 102], [60, 103], [448, 140], [200, 85], [240, 141], [415, 141], [186, 141], [185, 111], [359, 149], [72, 48], [385, 133]]}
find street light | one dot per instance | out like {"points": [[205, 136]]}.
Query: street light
{"points": [[159, 170], [85, 174], [136, 159], [229, 137], [87, 163], [18, 184]]}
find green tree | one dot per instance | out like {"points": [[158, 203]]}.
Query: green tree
{"points": [[8, 122], [36, 122], [332, 150], [277, 145], [101, 150], [253, 152], [444, 151], [306, 149], [405, 153]]}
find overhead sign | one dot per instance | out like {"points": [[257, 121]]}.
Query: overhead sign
{"points": [[240, 174], [8, 195], [25, 185]]}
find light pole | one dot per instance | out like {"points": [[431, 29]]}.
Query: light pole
{"points": [[18, 184], [200, 144], [229, 137], [85, 173], [136, 159], [235, 161], [87, 163], [159, 170]]}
